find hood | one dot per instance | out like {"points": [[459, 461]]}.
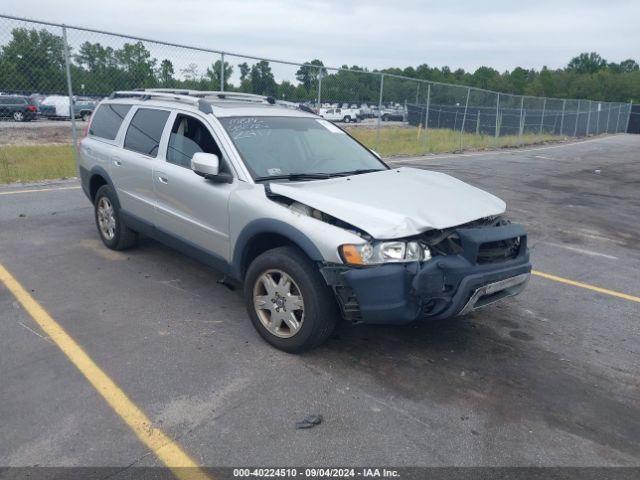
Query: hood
{"points": [[395, 203]]}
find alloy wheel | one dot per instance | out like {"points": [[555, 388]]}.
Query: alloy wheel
{"points": [[106, 218], [278, 302]]}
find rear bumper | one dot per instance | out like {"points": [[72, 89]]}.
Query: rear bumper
{"points": [[440, 288]]}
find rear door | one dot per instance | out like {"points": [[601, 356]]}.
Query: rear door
{"points": [[189, 207], [132, 165], [104, 137]]}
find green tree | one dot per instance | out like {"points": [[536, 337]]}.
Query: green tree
{"points": [[308, 75], [213, 74], [165, 73], [262, 80], [245, 69], [33, 61], [137, 65], [485, 77], [587, 63]]}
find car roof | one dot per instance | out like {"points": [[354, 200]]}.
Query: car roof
{"points": [[219, 107]]}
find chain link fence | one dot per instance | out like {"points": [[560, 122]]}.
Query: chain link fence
{"points": [[55, 75]]}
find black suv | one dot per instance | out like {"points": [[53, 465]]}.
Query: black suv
{"points": [[17, 107]]}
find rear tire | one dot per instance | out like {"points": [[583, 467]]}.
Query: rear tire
{"points": [[113, 232], [18, 116], [307, 298], [346, 119]]}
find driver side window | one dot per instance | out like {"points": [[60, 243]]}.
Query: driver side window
{"points": [[188, 137]]}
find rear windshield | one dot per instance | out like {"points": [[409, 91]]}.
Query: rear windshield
{"points": [[107, 120]]}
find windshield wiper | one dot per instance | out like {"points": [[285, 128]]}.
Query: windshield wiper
{"points": [[356, 172], [294, 176]]}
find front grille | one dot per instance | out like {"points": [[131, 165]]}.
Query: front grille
{"points": [[500, 251]]}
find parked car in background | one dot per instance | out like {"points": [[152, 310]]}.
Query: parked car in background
{"points": [[392, 114], [345, 115], [57, 107], [18, 107], [45, 111]]}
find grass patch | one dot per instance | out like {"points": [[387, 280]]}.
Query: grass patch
{"points": [[30, 163], [406, 141]]}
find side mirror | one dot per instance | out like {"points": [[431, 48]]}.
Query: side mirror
{"points": [[207, 165]]}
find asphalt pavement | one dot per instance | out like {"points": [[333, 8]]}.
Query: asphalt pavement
{"points": [[549, 378]]}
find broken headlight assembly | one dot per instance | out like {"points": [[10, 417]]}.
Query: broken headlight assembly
{"points": [[378, 253]]}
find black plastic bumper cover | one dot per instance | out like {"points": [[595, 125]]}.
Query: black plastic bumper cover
{"points": [[436, 289]]}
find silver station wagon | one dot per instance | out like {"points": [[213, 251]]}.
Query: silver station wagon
{"points": [[311, 223]]}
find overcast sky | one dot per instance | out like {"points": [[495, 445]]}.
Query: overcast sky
{"points": [[377, 33]]}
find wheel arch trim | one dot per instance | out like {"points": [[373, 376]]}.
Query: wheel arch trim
{"points": [[269, 226]]}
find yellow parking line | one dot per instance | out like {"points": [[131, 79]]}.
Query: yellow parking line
{"points": [[33, 190], [182, 466], [606, 291]]}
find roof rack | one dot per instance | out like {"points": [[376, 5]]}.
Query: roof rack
{"points": [[200, 98], [148, 94], [222, 95]]}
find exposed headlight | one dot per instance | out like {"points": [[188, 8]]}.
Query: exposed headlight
{"points": [[384, 252]]}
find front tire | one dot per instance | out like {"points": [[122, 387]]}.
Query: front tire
{"points": [[288, 302], [346, 119], [18, 116], [113, 231]]}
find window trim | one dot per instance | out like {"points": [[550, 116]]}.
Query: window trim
{"points": [[129, 119]]}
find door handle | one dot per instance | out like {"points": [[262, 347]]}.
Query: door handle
{"points": [[117, 163], [162, 179]]}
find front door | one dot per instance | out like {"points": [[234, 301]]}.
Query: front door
{"points": [[189, 207]]}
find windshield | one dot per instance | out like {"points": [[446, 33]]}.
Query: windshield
{"points": [[282, 146]]}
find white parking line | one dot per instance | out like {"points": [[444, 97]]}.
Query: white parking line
{"points": [[581, 250], [496, 152], [33, 190]]}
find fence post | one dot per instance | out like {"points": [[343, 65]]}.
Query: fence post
{"points": [[544, 107], [72, 114], [608, 116], [426, 117], [497, 134], [318, 101], [478, 123], [618, 121], [564, 104], [464, 116], [575, 131], [222, 72], [589, 119], [521, 125], [629, 116], [379, 110]]}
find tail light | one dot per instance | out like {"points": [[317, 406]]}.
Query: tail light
{"points": [[32, 108]]}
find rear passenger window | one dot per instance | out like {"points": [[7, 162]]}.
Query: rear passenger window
{"points": [[107, 120], [145, 131]]}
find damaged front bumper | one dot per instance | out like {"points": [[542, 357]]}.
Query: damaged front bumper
{"points": [[445, 286]]}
